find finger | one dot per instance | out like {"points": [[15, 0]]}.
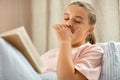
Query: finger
{"points": [[67, 29], [64, 27], [57, 27], [61, 27]]}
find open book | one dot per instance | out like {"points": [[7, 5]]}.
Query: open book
{"points": [[20, 39]]}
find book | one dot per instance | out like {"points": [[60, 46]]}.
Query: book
{"points": [[19, 39]]}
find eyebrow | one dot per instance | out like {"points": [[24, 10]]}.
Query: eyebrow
{"points": [[75, 16]]}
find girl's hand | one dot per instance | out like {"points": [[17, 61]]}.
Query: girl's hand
{"points": [[64, 34]]}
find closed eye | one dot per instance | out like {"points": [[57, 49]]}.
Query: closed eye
{"points": [[66, 18], [77, 21]]}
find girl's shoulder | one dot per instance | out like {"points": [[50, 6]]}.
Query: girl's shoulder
{"points": [[90, 48]]}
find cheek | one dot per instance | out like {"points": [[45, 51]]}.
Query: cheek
{"points": [[80, 34]]}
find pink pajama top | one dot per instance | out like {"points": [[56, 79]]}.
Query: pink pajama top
{"points": [[87, 60]]}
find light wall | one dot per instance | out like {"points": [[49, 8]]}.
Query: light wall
{"points": [[39, 19], [15, 13], [38, 16], [49, 12]]}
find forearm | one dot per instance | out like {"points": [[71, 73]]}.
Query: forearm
{"points": [[65, 66]]}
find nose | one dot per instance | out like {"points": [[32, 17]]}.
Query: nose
{"points": [[69, 23]]}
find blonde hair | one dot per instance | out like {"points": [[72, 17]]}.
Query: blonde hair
{"points": [[91, 17]]}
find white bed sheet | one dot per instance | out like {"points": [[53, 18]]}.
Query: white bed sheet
{"points": [[13, 65]]}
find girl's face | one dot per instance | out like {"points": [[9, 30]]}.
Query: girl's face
{"points": [[76, 18]]}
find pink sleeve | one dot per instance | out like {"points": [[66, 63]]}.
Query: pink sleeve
{"points": [[89, 62]]}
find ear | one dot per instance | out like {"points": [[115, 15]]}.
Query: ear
{"points": [[91, 29]]}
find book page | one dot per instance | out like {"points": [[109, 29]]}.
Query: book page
{"points": [[20, 39]]}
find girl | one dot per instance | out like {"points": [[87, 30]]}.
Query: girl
{"points": [[77, 58]]}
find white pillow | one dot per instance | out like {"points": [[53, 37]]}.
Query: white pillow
{"points": [[49, 76], [111, 62]]}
